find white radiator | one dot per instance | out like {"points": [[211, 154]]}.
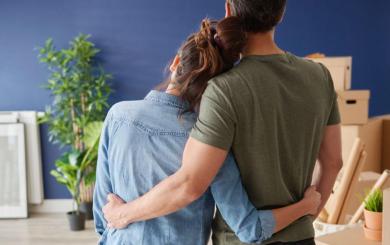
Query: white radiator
{"points": [[32, 153], [13, 194]]}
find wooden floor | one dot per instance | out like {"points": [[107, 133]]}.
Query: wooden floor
{"points": [[44, 229]]}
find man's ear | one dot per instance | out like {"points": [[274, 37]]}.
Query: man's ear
{"points": [[175, 64], [228, 9]]}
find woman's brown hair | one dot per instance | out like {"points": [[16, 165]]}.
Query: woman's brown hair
{"points": [[206, 54]]}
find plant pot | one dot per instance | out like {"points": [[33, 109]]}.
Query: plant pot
{"points": [[373, 220], [86, 208], [76, 220], [374, 235]]}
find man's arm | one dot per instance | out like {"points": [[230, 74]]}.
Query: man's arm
{"points": [[330, 162], [201, 163], [249, 224], [329, 157]]}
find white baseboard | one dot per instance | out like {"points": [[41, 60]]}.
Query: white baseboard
{"points": [[52, 206]]}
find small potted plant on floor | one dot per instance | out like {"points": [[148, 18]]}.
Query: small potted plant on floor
{"points": [[69, 173], [80, 89], [373, 215]]}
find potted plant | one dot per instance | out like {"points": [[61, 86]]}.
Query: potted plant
{"points": [[80, 89], [373, 215], [71, 170], [69, 173]]}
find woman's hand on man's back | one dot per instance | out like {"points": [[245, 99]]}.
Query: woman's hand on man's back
{"points": [[312, 199]]}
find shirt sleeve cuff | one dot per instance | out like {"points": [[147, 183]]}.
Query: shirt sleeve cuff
{"points": [[268, 223]]}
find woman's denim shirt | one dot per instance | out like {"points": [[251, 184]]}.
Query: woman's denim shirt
{"points": [[141, 144]]}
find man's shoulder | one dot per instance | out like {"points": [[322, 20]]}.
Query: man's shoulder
{"points": [[308, 64], [226, 80]]}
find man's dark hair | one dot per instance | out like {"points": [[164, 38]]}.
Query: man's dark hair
{"points": [[258, 15]]}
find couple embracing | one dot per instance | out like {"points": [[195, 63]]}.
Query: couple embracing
{"points": [[238, 125]]}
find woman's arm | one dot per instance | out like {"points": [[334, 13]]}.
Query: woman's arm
{"points": [[249, 224], [307, 206]]}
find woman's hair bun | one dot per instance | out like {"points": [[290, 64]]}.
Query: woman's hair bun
{"points": [[205, 54], [227, 35], [205, 36], [231, 38]]}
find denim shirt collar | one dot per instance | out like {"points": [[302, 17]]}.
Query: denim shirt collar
{"points": [[167, 99]]}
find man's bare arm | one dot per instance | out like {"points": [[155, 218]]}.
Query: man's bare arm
{"points": [[201, 164], [330, 162]]}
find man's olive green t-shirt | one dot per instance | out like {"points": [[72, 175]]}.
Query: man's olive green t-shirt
{"points": [[271, 111]]}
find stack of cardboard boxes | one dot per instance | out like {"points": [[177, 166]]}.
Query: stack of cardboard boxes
{"points": [[353, 104], [374, 132]]}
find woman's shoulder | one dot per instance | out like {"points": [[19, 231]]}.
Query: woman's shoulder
{"points": [[152, 117], [124, 109]]}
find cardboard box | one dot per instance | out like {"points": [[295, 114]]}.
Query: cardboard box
{"points": [[340, 69], [353, 105], [376, 136], [372, 136], [351, 236]]}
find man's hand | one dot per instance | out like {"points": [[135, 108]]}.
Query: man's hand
{"points": [[313, 200], [113, 212]]}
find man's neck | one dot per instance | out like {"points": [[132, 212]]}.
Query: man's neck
{"points": [[261, 44]]}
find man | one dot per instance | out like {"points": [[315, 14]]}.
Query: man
{"points": [[277, 112]]}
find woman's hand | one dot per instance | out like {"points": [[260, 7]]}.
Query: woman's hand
{"points": [[312, 199], [307, 206], [114, 212]]}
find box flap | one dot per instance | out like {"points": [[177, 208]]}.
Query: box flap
{"points": [[354, 94], [334, 61]]}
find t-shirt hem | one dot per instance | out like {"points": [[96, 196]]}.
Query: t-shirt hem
{"points": [[213, 142]]}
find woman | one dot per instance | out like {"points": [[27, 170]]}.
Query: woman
{"points": [[142, 143]]}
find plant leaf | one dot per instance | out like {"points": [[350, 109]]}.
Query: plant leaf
{"points": [[92, 133]]}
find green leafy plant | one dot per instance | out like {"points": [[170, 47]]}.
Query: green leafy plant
{"points": [[72, 166], [80, 88], [69, 173], [91, 140], [374, 201]]}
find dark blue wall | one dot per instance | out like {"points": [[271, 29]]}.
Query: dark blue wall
{"points": [[139, 37]]}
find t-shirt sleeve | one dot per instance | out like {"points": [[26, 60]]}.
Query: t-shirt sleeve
{"points": [[216, 122], [334, 115]]}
